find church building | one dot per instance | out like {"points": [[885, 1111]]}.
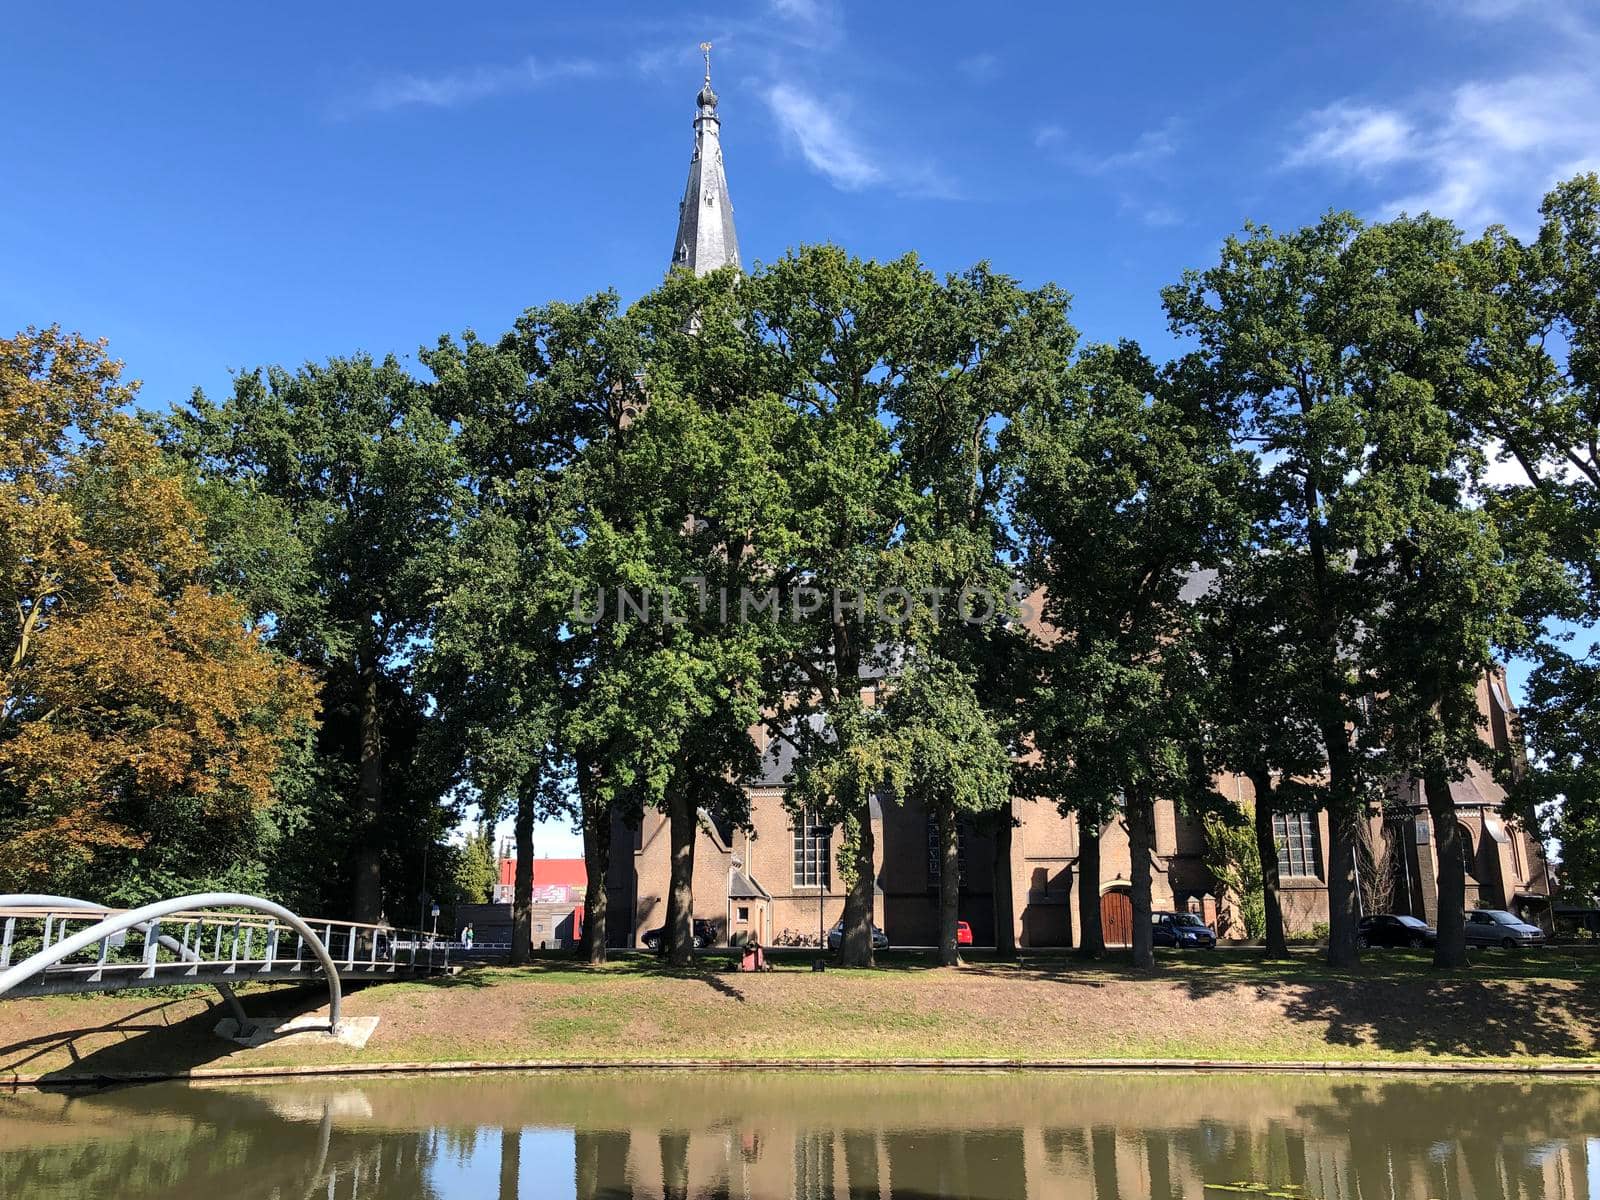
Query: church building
{"points": [[778, 880]]}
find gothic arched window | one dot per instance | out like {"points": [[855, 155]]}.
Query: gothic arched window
{"points": [[1469, 856]]}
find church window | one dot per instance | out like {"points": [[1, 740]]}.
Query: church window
{"points": [[1469, 857], [811, 851], [1296, 835]]}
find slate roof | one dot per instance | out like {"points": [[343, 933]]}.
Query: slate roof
{"points": [[742, 887], [706, 238]]}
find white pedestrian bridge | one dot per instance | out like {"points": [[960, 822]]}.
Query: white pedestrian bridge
{"points": [[55, 944]]}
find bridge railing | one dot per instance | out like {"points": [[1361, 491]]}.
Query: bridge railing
{"points": [[178, 944], [245, 942]]}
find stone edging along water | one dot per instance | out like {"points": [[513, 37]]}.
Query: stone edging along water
{"points": [[1585, 1069]]}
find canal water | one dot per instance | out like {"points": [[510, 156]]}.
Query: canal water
{"points": [[497, 1136]]}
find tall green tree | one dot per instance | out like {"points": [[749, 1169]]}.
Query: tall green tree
{"points": [[835, 332], [545, 415], [1544, 425], [986, 347], [1276, 323], [1449, 589], [710, 512], [1260, 715], [1350, 352], [473, 866], [944, 755], [897, 382], [1128, 487], [524, 408], [330, 496]]}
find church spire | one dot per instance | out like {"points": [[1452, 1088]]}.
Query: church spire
{"points": [[706, 239]]}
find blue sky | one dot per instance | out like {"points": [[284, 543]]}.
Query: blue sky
{"points": [[212, 186], [219, 186]]}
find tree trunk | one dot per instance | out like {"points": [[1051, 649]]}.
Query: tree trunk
{"points": [[674, 1164], [1141, 843], [1450, 949], [681, 825], [510, 1162], [1005, 906], [855, 944], [949, 887], [855, 948], [1267, 851], [522, 890], [601, 1163], [597, 864], [369, 804], [587, 1150], [1091, 937], [1344, 901]]}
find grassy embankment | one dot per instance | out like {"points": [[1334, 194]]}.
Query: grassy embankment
{"points": [[1533, 1008]]}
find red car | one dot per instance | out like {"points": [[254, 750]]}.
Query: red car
{"points": [[963, 934]]}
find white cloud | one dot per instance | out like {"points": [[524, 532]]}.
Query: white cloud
{"points": [[980, 68], [1135, 174], [822, 142], [810, 24], [1157, 216], [834, 152], [1150, 148], [1483, 153], [456, 88], [797, 10], [662, 62], [1358, 137]]}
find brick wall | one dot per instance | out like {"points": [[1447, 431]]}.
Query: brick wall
{"points": [[1043, 867]]}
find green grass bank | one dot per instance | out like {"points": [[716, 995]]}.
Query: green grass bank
{"points": [[1538, 1008]]}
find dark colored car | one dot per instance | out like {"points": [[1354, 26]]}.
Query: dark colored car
{"points": [[705, 934], [1495, 927], [1181, 930], [1389, 929], [880, 940]]}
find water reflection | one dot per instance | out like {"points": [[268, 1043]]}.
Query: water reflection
{"points": [[813, 1137]]}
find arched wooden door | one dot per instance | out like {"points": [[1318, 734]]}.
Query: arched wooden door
{"points": [[1116, 917]]}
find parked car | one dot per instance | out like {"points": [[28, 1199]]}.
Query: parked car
{"points": [[1388, 929], [705, 934], [963, 934], [880, 940], [1496, 927], [1182, 930]]}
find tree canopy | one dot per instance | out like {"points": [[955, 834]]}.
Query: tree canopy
{"points": [[143, 717], [574, 569]]}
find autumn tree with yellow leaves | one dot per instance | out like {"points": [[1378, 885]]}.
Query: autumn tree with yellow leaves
{"points": [[142, 719]]}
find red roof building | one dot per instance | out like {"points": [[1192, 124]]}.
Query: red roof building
{"points": [[553, 879]]}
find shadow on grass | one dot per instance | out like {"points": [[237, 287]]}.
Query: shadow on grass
{"points": [[156, 1038], [1396, 1002]]}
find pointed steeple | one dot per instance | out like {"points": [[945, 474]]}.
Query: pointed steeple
{"points": [[706, 239]]}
